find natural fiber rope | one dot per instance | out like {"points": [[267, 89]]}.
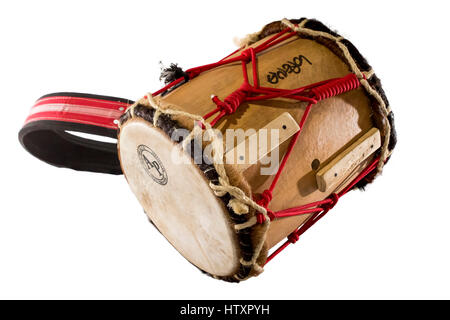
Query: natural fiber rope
{"points": [[363, 76], [156, 117], [300, 29], [240, 199], [369, 73]]}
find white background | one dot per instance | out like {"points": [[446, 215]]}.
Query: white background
{"points": [[66, 234]]}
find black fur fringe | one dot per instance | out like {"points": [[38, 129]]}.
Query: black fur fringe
{"points": [[172, 73]]}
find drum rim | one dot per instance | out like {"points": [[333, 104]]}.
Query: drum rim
{"points": [[245, 236], [151, 134]]}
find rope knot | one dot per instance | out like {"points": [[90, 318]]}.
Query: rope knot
{"points": [[334, 198], [265, 199], [192, 73], [293, 237], [260, 218], [248, 54], [232, 102]]}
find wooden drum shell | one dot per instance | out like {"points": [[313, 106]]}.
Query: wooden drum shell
{"points": [[332, 125]]}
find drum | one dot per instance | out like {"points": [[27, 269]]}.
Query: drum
{"points": [[232, 157]]}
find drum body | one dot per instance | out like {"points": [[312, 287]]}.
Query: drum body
{"points": [[174, 187]]}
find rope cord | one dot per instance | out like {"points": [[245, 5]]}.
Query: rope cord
{"points": [[318, 210], [311, 94]]}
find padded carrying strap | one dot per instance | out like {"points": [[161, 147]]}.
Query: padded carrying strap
{"points": [[46, 131]]}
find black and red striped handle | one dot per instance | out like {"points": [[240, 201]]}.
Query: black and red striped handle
{"points": [[46, 131]]}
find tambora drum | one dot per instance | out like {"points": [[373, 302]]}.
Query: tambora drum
{"points": [[232, 157]]}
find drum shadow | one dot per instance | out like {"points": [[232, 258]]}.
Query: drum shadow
{"points": [[359, 101], [307, 184]]}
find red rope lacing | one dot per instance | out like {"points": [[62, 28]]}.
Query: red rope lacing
{"points": [[251, 92], [318, 210]]}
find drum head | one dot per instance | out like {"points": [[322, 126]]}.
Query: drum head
{"points": [[177, 198]]}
